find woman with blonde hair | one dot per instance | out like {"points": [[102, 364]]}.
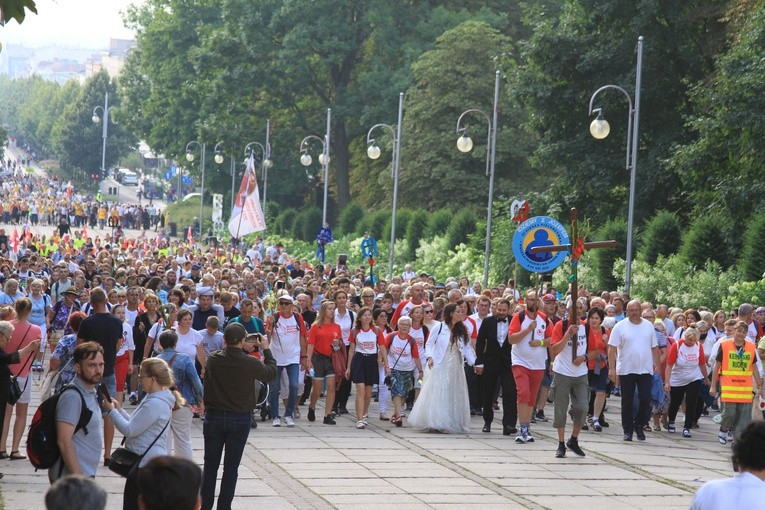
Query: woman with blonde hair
{"points": [[145, 429], [324, 337]]}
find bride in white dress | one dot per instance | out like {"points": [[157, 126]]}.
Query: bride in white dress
{"points": [[443, 404]]}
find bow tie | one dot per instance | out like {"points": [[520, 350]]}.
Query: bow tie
{"points": [[502, 320]]}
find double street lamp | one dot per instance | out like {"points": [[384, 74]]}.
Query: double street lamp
{"points": [[465, 144], [105, 109], [600, 129], [306, 160], [373, 151], [190, 158]]}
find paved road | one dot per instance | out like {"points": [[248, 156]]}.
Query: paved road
{"points": [[314, 466]]}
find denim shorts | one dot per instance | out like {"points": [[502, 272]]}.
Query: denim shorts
{"points": [[322, 366]]}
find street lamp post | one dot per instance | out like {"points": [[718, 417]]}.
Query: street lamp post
{"points": [[265, 165], [105, 109], [600, 129], [305, 160], [190, 158], [373, 151], [465, 144]]}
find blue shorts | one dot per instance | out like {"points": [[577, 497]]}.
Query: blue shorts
{"points": [[598, 382], [401, 383]]}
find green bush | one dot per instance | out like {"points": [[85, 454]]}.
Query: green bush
{"points": [[707, 239], [661, 236], [745, 292], [439, 223], [675, 282], [752, 261], [415, 231], [350, 218], [403, 216], [284, 221], [603, 259], [461, 228], [377, 224], [307, 224]]}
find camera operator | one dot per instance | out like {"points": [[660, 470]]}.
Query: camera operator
{"points": [[230, 398]]}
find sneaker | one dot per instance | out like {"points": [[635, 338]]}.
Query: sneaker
{"points": [[296, 413], [640, 435], [573, 445], [343, 410], [328, 420], [540, 416], [627, 437], [520, 438], [561, 451], [311, 414], [289, 421], [360, 425], [686, 433], [529, 437], [133, 399], [596, 426], [671, 428], [722, 437], [730, 436], [533, 419], [715, 408], [277, 422]]}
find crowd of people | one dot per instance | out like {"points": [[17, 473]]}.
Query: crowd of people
{"points": [[162, 331]]}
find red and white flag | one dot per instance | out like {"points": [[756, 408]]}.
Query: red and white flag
{"points": [[247, 215], [190, 237], [15, 240]]}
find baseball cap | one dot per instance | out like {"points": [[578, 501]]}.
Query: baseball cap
{"points": [[549, 297]]}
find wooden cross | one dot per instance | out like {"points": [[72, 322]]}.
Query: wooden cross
{"points": [[575, 249]]}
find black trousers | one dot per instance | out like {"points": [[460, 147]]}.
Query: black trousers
{"points": [[474, 387], [693, 404], [130, 494], [505, 377]]}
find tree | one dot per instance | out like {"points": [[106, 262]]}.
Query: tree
{"points": [[593, 43], [415, 231], [456, 75], [708, 238], [752, 261], [660, 236], [722, 166], [604, 259]]}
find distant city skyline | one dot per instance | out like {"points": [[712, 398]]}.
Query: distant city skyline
{"points": [[71, 24]]}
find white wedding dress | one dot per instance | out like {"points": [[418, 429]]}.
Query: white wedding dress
{"points": [[443, 404]]}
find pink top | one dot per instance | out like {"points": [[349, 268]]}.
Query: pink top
{"points": [[20, 339]]}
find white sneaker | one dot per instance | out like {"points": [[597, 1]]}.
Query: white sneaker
{"points": [[277, 422], [289, 421], [520, 438], [296, 413], [529, 437]]}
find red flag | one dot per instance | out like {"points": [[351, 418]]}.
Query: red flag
{"points": [[28, 235], [156, 241]]}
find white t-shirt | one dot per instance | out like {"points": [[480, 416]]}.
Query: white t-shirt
{"points": [[533, 358], [563, 363], [285, 341], [742, 491], [131, 316], [401, 353], [128, 344], [367, 341], [188, 343], [419, 338], [686, 368], [634, 343]]}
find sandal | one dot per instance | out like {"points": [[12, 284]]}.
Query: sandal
{"points": [[647, 428], [3, 455], [360, 425], [397, 421], [17, 456]]}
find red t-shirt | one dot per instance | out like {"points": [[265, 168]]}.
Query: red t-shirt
{"points": [[322, 336]]}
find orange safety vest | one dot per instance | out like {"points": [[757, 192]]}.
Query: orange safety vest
{"points": [[736, 379]]}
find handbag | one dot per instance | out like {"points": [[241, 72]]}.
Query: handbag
{"points": [[14, 390], [125, 463]]}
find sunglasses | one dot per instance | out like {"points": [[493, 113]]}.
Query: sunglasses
{"points": [[428, 311]]}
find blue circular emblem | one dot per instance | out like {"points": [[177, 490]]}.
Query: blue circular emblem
{"points": [[539, 231]]}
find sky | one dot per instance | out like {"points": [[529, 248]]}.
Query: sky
{"points": [[70, 23]]}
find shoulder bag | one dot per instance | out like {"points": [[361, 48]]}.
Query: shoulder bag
{"points": [[125, 463]]}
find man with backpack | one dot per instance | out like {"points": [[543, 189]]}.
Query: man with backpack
{"points": [[80, 446]]}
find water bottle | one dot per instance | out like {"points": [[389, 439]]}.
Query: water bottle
{"points": [[312, 373]]}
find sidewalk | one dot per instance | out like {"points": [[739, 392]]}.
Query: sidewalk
{"points": [[315, 466]]}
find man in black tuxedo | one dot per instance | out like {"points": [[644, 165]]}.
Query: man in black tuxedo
{"points": [[494, 363]]}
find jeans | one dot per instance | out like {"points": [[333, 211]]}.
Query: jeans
{"points": [[293, 373], [629, 384], [229, 430]]}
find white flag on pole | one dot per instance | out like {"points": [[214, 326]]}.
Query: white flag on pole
{"points": [[247, 215]]}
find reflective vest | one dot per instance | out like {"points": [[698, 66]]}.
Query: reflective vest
{"points": [[736, 376]]}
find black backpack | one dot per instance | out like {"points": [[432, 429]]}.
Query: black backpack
{"points": [[42, 440]]}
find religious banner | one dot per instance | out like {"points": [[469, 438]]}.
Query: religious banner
{"points": [[247, 215]]}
